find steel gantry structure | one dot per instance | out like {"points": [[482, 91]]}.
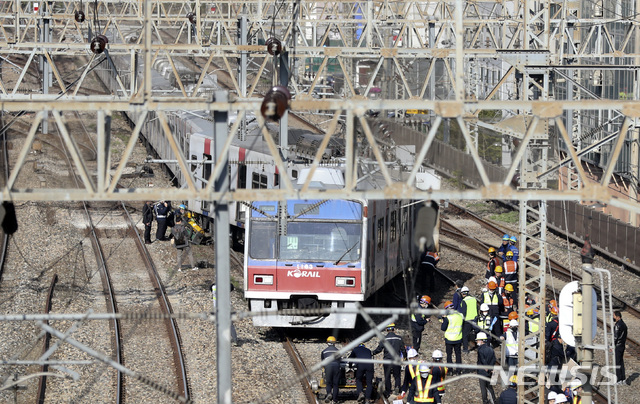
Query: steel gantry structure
{"points": [[536, 61]]}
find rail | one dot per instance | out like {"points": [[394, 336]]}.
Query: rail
{"points": [[42, 383], [165, 307]]}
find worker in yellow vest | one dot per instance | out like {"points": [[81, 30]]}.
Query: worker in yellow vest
{"points": [[452, 327], [421, 390], [469, 308]]}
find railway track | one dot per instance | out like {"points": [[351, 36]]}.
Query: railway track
{"points": [[559, 271], [42, 383]]}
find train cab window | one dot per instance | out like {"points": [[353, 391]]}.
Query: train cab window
{"points": [[262, 242], [242, 176], [380, 233], [258, 181], [393, 226]]}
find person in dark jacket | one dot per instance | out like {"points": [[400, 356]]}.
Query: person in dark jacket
{"points": [[428, 262], [147, 220], [457, 295], [182, 244], [486, 357], [331, 371], [620, 340], [363, 371], [161, 210], [418, 322], [390, 369], [510, 395]]}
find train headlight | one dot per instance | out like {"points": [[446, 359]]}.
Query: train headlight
{"points": [[345, 281], [263, 279]]}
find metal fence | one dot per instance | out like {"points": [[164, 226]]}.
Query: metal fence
{"points": [[607, 234]]}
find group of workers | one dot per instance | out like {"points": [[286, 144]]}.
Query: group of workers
{"points": [[493, 318]]}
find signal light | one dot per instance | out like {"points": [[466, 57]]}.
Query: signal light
{"points": [[263, 279], [345, 281]]}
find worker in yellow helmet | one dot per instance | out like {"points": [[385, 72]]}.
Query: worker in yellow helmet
{"points": [[331, 370]]}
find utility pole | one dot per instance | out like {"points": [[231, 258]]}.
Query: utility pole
{"points": [[588, 320]]}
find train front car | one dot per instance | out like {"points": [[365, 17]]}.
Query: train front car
{"points": [[304, 255]]}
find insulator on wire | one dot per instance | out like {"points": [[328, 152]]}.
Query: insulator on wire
{"points": [[99, 43], [191, 17], [79, 16], [275, 103], [274, 46]]}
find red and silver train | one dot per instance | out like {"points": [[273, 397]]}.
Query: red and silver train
{"points": [[299, 254]]}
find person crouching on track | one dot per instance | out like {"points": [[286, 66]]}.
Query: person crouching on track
{"points": [[180, 241], [331, 371], [421, 390], [418, 322], [395, 342], [452, 327], [363, 371]]}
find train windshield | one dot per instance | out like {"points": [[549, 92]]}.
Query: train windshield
{"points": [[315, 231], [321, 241]]}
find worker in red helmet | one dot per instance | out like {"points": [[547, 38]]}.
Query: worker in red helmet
{"points": [[493, 299], [428, 262], [331, 370], [418, 321]]}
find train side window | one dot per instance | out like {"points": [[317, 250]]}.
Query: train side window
{"points": [[294, 174], [242, 176], [393, 226], [206, 168], [258, 181], [405, 220], [380, 234], [276, 180]]}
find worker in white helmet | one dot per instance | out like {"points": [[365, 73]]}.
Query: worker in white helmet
{"points": [[486, 357]]}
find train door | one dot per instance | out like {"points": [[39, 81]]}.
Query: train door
{"points": [[207, 168]]}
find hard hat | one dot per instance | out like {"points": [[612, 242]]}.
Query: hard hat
{"points": [[481, 336], [509, 254], [412, 353], [492, 279], [513, 315], [425, 299], [448, 304], [492, 285], [423, 369], [554, 310], [530, 312], [331, 338], [182, 206], [484, 307], [498, 268], [505, 237], [464, 289], [553, 303], [513, 323], [513, 238], [575, 384], [391, 326], [513, 380], [561, 398], [552, 395], [508, 287], [491, 250], [437, 354]]}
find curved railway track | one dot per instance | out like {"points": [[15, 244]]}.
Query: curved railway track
{"points": [[42, 383]]}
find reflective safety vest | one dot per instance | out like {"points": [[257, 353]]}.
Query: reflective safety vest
{"points": [[422, 393], [500, 281], [510, 267], [493, 262], [443, 372], [490, 300], [434, 257], [472, 308], [485, 322], [577, 400], [508, 303], [511, 340], [533, 325], [454, 328], [412, 370]]}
